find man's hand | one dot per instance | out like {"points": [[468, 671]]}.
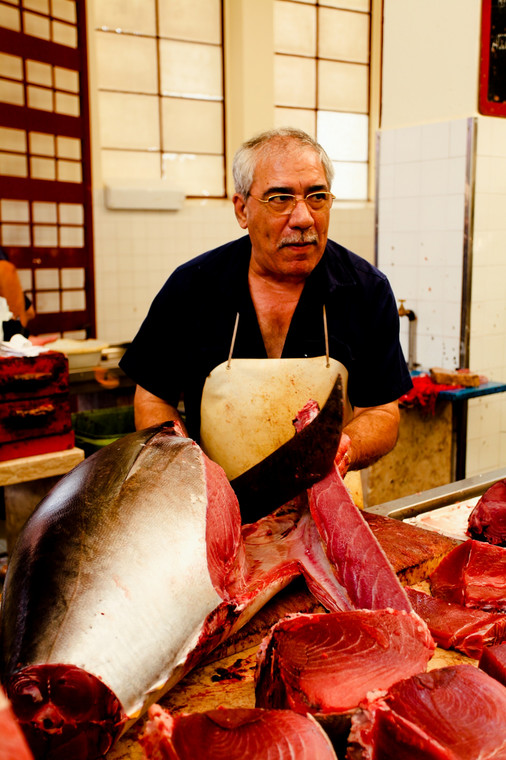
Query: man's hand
{"points": [[342, 460]]}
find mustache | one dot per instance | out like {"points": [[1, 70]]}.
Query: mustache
{"points": [[302, 239]]}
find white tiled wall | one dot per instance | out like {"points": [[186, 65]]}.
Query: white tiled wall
{"points": [[487, 415], [422, 236], [421, 205], [136, 251]]}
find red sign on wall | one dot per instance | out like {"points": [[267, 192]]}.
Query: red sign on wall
{"points": [[492, 91]]}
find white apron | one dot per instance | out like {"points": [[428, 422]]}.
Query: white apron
{"points": [[248, 406]]}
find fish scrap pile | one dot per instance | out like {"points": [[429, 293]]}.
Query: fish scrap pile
{"points": [[136, 565]]}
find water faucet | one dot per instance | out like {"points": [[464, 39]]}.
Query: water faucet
{"points": [[410, 314]]}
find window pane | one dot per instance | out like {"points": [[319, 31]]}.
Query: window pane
{"points": [[64, 9], [37, 26], [294, 29], [18, 234], [67, 104], [344, 36], [345, 136], [39, 97], [66, 79], [13, 139], [45, 279], [14, 211], [73, 300], [126, 15], [198, 20], [42, 6], [45, 237], [64, 34], [39, 73], [126, 63], [71, 213], [190, 70], [47, 303], [42, 168], [120, 164], [72, 278], [68, 147], [192, 125], [195, 175], [350, 181], [294, 81], [44, 212], [41, 144], [296, 117], [12, 165], [69, 171], [71, 237], [11, 92], [343, 86], [11, 66], [129, 121], [10, 18]]}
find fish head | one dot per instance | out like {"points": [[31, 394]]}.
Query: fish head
{"points": [[65, 712]]}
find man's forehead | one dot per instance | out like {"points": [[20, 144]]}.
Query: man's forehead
{"points": [[288, 166]]}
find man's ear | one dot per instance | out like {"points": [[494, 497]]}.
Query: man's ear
{"points": [[240, 210]]}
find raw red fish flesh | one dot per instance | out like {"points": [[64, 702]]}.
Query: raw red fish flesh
{"points": [[13, 744], [327, 663], [234, 734], [472, 574], [456, 627], [136, 565], [487, 521], [493, 662], [454, 713]]}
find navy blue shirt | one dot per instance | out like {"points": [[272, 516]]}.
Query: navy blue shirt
{"points": [[189, 327]]}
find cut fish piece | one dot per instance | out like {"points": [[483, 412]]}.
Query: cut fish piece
{"points": [[487, 521], [327, 663], [454, 626], [472, 574], [493, 662], [234, 734], [454, 713]]}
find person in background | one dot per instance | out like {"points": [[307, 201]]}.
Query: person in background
{"points": [[19, 305], [246, 333]]}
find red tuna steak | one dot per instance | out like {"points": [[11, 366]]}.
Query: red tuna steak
{"points": [[487, 521], [456, 627], [234, 734], [327, 663], [472, 574], [454, 713], [493, 662]]}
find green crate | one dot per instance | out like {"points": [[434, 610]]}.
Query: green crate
{"points": [[99, 427]]}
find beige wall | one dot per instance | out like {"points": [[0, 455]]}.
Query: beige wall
{"points": [[430, 61], [431, 74]]}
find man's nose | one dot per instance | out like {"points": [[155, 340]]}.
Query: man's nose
{"points": [[301, 215]]}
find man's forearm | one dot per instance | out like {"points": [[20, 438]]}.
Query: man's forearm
{"points": [[150, 410], [373, 433]]}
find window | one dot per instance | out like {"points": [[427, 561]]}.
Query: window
{"points": [[321, 82], [160, 79]]}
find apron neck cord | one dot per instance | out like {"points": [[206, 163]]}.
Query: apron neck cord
{"points": [[326, 335], [233, 341]]}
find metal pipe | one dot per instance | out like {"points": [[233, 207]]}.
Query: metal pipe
{"points": [[410, 314]]}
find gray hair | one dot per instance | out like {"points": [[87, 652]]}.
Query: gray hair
{"points": [[247, 156]]}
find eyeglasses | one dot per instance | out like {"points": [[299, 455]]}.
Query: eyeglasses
{"points": [[284, 203]]}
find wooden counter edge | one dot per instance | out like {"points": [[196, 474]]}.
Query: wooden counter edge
{"points": [[39, 466]]}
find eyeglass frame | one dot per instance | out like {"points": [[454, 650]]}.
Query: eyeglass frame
{"points": [[296, 200]]}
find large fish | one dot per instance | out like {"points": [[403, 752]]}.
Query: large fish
{"points": [[133, 568]]}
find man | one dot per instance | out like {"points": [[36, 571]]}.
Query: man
{"points": [[248, 332], [18, 304]]}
